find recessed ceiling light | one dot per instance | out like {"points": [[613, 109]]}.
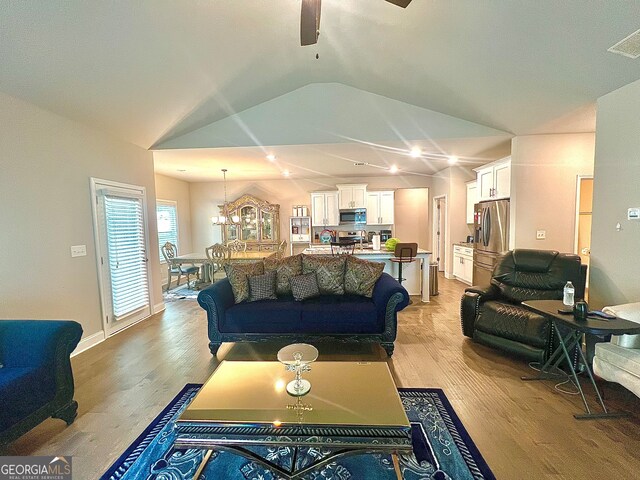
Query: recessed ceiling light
{"points": [[415, 152], [271, 157], [285, 173], [452, 160], [393, 169], [182, 169]]}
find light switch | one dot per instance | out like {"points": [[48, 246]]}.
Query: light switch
{"points": [[541, 234], [78, 250], [633, 214]]}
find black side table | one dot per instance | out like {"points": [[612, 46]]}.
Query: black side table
{"points": [[592, 325]]}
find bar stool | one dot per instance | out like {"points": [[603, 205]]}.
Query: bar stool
{"points": [[404, 253]]}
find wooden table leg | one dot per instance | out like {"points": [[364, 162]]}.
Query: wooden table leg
{"points": [[203, 464], [396, 465]]}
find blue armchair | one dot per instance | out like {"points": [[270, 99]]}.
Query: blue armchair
{"points": [[36, 381]]}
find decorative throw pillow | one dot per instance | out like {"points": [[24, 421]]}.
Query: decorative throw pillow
{"points": [[238, 275], [262, 287], [361, 276], [329, 272], [286, 268], [304, 286]]}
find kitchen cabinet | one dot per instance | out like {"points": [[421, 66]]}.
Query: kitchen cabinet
{"points": [[463, 264], [380, 208], [494, 180], [324, 209], [472, 199], [352, 196]]}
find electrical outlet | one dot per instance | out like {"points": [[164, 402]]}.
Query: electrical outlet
{"points": [[633, 213], [541, 234], [78, 250]]}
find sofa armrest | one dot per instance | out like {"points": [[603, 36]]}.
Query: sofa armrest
{"points": [[470, 305], [215, 300], [389, 297], [37, 343]]}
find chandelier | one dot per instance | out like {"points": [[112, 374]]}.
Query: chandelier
{"points": [[224, 218]]}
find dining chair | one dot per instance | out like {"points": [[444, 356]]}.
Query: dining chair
{"points": [[237, 246], [218, 256], [169, 252], [343, 248], [281, 248]]}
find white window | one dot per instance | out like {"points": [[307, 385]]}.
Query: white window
{"points": [[167, 212]]}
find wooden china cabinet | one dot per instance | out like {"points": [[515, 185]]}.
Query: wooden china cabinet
{"points": [[259, 223]]}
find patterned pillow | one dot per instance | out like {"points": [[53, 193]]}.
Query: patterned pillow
{"points": [[304, 286], [238, 275], [286, 268], [263, 287], [329, 272], [361, 276]]}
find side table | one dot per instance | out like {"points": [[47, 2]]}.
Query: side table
{"points": [[591, 325]]}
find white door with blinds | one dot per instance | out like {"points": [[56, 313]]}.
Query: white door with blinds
{"points": [[122, 253]]}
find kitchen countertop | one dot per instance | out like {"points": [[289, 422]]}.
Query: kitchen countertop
{"points": [[326, 250], [464, 244]]}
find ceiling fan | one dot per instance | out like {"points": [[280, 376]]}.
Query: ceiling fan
{"points": [[310, 19]]}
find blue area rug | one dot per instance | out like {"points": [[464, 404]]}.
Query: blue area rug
{"points": [[442, 450]]}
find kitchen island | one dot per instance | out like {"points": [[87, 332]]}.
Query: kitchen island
{"points": [[416, 274]]}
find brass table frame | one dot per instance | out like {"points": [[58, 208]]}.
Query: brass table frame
{"points": [[203, 428]]}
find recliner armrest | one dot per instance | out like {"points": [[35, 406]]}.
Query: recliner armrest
{"points": [[470, 305], [487, 292]]}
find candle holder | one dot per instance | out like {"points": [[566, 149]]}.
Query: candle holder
{"points": [[297, 358]]}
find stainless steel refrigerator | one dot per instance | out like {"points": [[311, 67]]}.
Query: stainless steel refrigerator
{"points": [[491, 237]]}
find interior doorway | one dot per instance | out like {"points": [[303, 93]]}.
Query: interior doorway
{"points": [[439, 231], [122, 244], [584, 203]]}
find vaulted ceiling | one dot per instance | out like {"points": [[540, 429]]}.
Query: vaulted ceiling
{"points": [[155, 73]]}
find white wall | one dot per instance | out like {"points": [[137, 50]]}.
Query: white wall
{"points": [[452, 183], [45, 207], [412, 219], [615, 275], [544, 171], [206, 196], [168, 188]]}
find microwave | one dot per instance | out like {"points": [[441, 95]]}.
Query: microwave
{"points": [[353, 216]]}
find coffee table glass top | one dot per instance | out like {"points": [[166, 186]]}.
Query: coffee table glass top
{"points": [[342, 393]]}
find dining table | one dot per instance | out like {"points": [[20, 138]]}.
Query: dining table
{"points": [[202, 260]]}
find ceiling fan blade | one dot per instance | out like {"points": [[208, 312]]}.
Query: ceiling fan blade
{"points": [[310, 22], [400, 3]]}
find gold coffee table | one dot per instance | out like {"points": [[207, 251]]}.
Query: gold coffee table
{"points": [[352, 408]]}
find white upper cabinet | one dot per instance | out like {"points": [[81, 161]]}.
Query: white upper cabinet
{"points": [[472, 199], [352, 196], [324, 209], [380, 208], [494, 180]]}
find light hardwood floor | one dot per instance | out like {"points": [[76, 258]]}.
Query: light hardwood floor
{"points": [[525, 430]]}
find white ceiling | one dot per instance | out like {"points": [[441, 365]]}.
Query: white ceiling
{"points": [[150, 72]]}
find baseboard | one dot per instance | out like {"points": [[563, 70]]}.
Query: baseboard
{"points": [[158, 307], [87, 343]]}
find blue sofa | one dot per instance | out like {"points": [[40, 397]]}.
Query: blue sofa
{"points": [[345, 318], [36, 381]]}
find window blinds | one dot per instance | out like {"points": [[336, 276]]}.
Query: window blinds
{"points": [[167, 225], [127, 256]]}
